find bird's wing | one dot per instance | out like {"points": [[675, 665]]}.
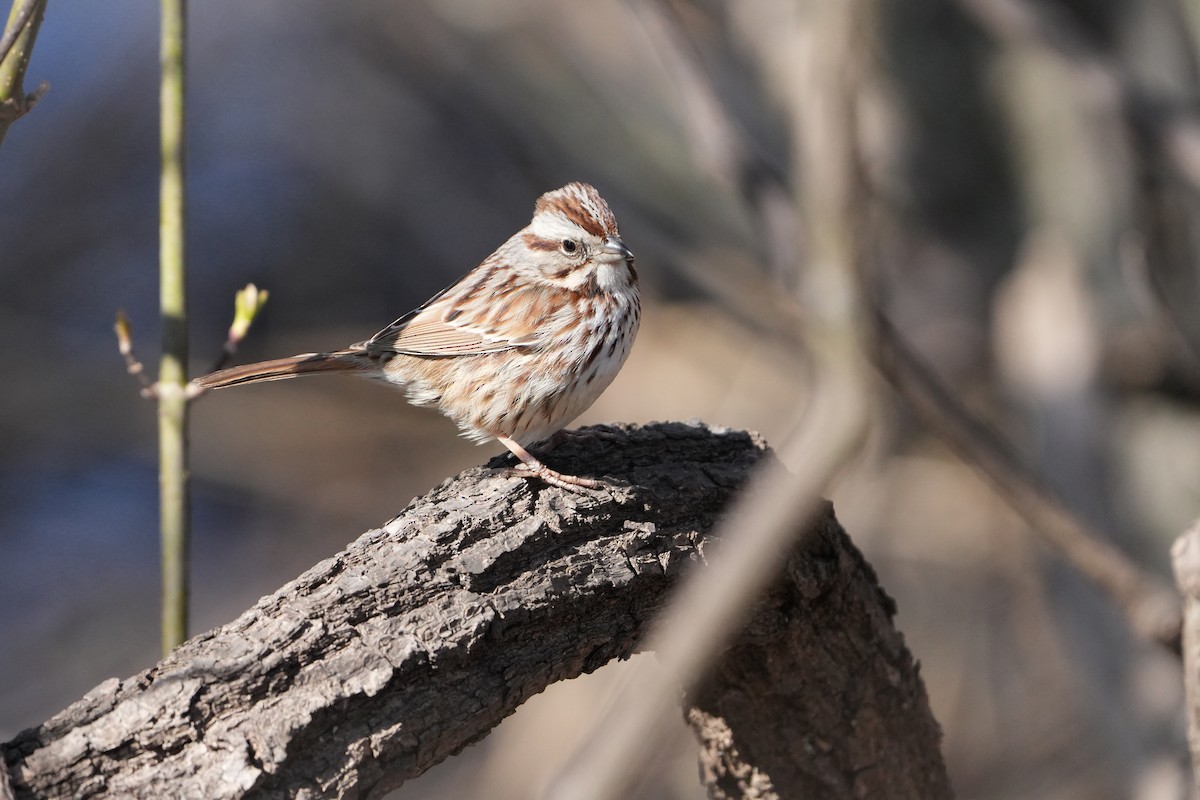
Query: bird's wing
{"points": [[454, 322]]}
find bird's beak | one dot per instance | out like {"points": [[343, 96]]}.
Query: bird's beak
{"points": [[614, 246]]}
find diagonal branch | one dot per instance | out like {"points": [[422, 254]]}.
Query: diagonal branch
{"points": [[419, 637]]}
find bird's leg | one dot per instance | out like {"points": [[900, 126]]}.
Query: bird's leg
{"points": [[531, 467]]}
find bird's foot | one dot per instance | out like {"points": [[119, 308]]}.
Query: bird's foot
{"points": [[530, 467]]}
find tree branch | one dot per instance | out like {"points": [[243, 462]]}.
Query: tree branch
{"points": [[798, 708], [422, 635]]}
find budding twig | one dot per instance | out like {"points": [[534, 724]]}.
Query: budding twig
{"points": [[133, 366], [246, 305]]}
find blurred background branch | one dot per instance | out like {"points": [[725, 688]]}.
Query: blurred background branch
{"points": [[817, 51], [1150, 607], [1164, 129], [1149, 604]]}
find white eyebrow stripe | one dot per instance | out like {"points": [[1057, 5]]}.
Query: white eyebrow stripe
{"points": [[552, 225]]}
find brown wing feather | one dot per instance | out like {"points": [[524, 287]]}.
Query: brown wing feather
{"points": [[453, 323], [426, 335]]}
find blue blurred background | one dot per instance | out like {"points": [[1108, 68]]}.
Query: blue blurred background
{"points": [[353, 158]]}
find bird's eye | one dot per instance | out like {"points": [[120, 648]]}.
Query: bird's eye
{"points": [[569, 246]]}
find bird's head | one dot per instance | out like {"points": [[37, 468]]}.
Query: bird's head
{"points": [[573, 242]]}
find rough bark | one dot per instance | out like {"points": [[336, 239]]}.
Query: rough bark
{"points": [[819, 698], [418, 638]]}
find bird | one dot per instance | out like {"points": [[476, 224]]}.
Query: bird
{"points": [[518, 347]]}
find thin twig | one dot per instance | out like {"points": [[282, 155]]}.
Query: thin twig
{"points": [[133, 366], [15, 47], [16, 25], [172, 374], [228, 350], [246, 305]]}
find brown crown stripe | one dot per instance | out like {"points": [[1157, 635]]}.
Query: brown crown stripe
{"points": [[575, 209]]}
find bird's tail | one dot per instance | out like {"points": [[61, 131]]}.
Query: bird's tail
{"points": [[283, 368]]}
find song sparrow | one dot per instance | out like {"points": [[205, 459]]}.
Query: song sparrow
{"points": [[519, 347]]}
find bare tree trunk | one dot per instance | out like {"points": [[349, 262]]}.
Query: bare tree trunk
{"points": [[421, 636]]}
